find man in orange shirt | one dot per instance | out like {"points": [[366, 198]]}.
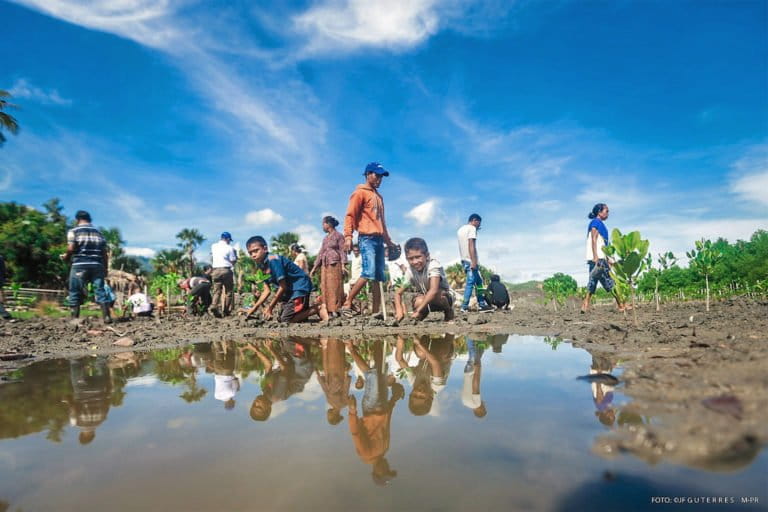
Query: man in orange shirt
{"points": [[365, 214]]}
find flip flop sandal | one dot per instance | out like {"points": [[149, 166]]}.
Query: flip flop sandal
{"points": [[348, 312]]}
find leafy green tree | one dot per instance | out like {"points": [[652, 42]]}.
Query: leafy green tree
{"points": [[558, 288], [7, 121], [457, 277], [189, 240], [31, 244], [703, 260], [281, 243], [54, 210], [168, 261], [628, 252], [127, 263]]}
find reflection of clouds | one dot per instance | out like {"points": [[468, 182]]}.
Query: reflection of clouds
{"points": [[184, 421], [312, 390], [7, 460], [143, 381]]}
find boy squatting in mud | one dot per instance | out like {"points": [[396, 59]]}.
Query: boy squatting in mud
{"points": [[427, 276]]}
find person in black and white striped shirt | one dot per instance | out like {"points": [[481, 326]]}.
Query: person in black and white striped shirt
{"points": [[87, 250]]}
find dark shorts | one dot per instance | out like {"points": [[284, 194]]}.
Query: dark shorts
{"points": [[292, 307], [599, 274]]}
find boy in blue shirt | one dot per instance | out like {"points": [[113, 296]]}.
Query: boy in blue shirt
{"points": [[293, 284]]}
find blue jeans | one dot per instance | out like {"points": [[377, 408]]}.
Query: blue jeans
{"points": [[473, 280], [79, 277], [372, 255], [375, 394]]}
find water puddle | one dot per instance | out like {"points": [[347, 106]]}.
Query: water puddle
{"points": [[436, 423]]}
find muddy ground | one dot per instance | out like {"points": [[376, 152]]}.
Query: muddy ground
{"points": [[696, 383]]}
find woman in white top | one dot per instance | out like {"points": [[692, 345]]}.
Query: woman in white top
{"points": [[598, 264]]}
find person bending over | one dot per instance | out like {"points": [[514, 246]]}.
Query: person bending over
{"points": [[427, 277], [292, 285]]}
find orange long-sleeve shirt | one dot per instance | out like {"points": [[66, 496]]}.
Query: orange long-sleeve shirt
{"points": [[365, 212], [370, 435]]}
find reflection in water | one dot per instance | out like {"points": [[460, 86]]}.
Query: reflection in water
{"points": [[470, 392], [450, 382], [91, 392]]}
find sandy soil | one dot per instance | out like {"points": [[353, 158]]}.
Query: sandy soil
{"points": [[696, 383]]}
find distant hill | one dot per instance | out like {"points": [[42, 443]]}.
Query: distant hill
{"points": [[524, 287]]}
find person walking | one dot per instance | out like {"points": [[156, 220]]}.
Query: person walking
{"points": [[223, 259], [365, 214], [87, 251], [597, 263], [331, 259], [467, 235]]}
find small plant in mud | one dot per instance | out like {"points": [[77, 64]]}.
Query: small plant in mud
{"points": [[628, 252], [665, 261], [558, 288], [703, 259], [553, 341]]}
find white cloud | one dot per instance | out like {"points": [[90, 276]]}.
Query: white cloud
{"points": [[145, 252], [311, 237], [424, 213], [23, 89], [750, 180], [349, 24], [263, 217]]}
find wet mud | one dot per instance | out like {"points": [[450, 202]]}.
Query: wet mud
{"points": [[695, 383]]}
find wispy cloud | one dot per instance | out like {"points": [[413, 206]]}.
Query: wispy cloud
{"points": [[263, 217], [23, 89], [750, 179], [425, 213]]}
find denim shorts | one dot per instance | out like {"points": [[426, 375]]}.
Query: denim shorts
{"points": [[372, 256], [601, 275]]}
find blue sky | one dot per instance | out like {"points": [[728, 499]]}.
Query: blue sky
{"points": [[257, 118]]}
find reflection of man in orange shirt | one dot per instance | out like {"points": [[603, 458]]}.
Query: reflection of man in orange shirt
{"points": [[371, 434]]}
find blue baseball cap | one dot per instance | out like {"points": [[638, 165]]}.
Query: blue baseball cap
{"points": [[377, 168], [226, 235]]}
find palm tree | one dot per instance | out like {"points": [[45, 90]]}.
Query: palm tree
{"points": [[190, 239], [115, 244], [7, 122], [168, 261], [281, 243], [456, 275], [53, 208]]}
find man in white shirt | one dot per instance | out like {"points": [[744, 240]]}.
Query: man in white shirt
{"points": [[467, 235], [223, 258]]}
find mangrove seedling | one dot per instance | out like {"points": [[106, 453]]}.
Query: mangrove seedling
{"points": [[628, 252], [703, 259]]}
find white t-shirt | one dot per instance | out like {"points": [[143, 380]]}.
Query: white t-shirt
{"points": [[396, 268], [140, 303], [466, 233], [223, 255], [419, 281], [468, 398], [357, 267], [226, 387], [600, 242]]}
